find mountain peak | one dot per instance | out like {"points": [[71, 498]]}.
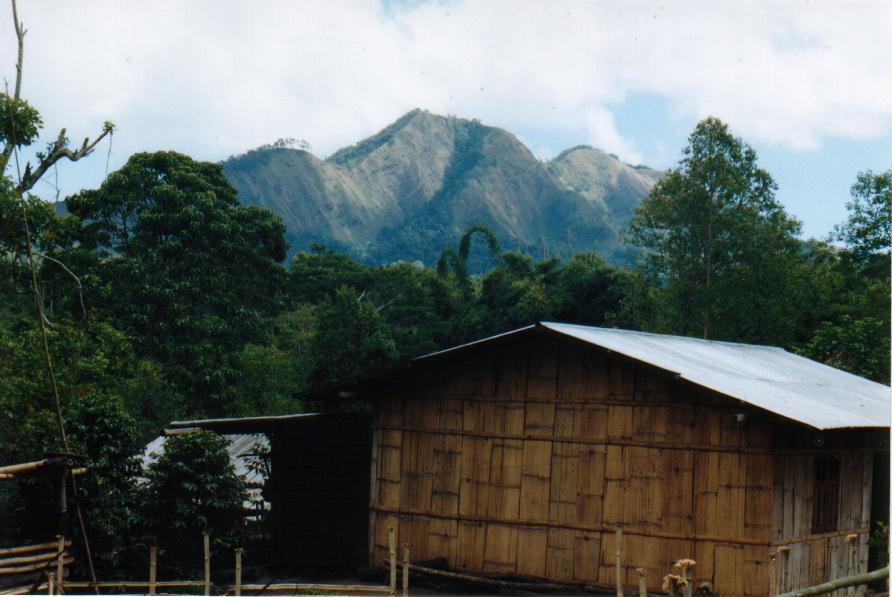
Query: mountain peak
{"points": [[412, 187]]}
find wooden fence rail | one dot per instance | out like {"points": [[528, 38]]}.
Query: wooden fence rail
{"points": [[840, 583], [56, 584]]}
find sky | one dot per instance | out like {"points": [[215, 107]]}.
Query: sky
{"points": [[808, 84]]}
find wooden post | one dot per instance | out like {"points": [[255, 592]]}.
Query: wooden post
{"points": [[50, 583], [238, 571], [853, 546], [772, 573], [405, 570], [207, 564], [153, 568], [784, 550], [619, 563], [391, 544], [642, 582], [60, 564]]}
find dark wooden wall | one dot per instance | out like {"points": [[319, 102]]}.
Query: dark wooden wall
{"points": [[318, 489], [522, 457]]}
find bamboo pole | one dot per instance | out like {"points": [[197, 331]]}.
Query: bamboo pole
{"points": [[31, 567], [405, 570], [50, 583], [338, 589], [206, 540], [642, 582], [391, 544], [8, 551], [134, 584], [619, 563], [238, 571], [483, 580], [153, 568], [840, 583], [60, 563], [24, 467], [41, 557]]}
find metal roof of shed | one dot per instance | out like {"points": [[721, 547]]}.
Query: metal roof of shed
{"points": [[241, 448], [765, 376]]}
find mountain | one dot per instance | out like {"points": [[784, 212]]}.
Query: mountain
{"points": [[406, 191]]}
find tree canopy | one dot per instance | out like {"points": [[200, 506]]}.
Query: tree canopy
{"points": [[719, 247]]}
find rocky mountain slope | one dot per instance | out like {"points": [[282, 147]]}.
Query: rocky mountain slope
{"points": [[404, 192]]}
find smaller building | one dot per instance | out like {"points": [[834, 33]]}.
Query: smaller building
{"points": [[317, 488], [247, 453]]}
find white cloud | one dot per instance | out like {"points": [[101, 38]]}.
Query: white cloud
{"points": [[215, 77]]}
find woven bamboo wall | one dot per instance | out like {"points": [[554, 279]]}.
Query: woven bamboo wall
{"points": [[522, 458]]}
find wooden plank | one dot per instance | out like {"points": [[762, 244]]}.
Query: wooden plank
{"points": [[564, 480], [622, 377], [542, 372], [592, 462], [535, 483], [755, 570], [540, 418], [511, 374], [586, 556], [443, 541], [451, 414], [584, 374], [818, 564], [560, 558], [759, 493], [532, 550], [619, 422], [500, 552], [616, 486], [471, 541], [506, 468], [474, 489], [704, 555], [706, 481], [677, 472], [728, 570], [446, 483]]}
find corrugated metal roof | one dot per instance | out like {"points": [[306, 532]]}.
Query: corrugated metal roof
{"points": [[241, 447], [764, 376]]}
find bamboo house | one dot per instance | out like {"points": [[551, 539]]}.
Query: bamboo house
{"points": [[522, 454]]}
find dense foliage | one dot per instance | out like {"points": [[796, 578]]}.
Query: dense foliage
{"points": [[192, 489]]}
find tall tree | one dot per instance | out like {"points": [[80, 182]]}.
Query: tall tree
{"points": [[190, 273], [855, 335], [718, 244], [868, 230]]}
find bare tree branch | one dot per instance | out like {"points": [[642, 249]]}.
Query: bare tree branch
{"points": [[20, 32], [80, 289], [57, 151], [59, 148]]}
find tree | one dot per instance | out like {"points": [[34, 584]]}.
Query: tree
{"points": [[868, 230], [192, 489], [457, 261], [719, 246], [351, 339], [854, 334], [186, 270]]}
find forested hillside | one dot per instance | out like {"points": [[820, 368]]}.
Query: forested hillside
{"points": [[405, 191]]}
